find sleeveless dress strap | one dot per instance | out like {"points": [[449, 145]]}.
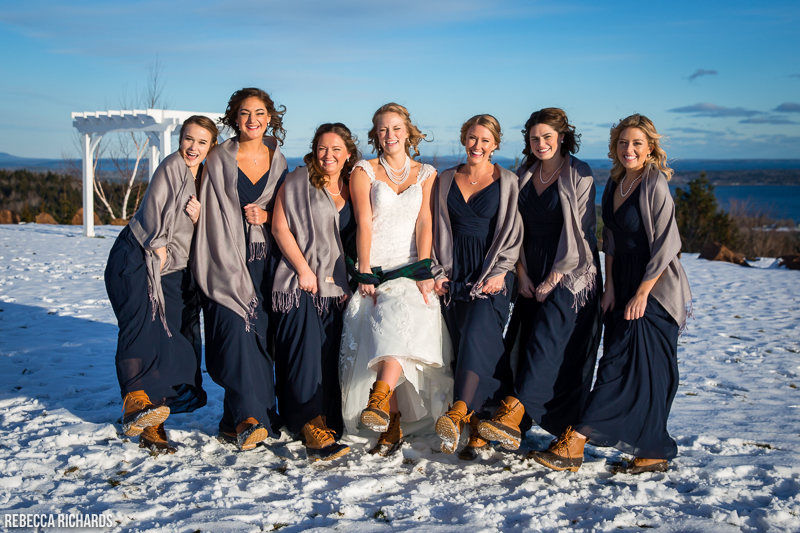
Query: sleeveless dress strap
{"points": [[366, 167]]}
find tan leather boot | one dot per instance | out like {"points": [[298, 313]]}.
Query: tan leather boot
{"points": [[154, 438], [450, 424], [640, 465], [504, 427], [476, 444], [139, 413], [376, 415], [320, 442], [249, 433], [565, 453], [390, 440]]}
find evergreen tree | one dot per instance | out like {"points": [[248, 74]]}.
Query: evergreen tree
{"points": [[700, 220]]}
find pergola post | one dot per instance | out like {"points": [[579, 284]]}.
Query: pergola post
{"points": [[154, 159], [88, 186]]}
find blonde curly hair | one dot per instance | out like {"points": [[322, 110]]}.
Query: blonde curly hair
{"points": [[657, 157], [414, 135]]}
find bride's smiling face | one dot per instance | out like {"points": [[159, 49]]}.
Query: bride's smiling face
{"points": [[392, 133]]}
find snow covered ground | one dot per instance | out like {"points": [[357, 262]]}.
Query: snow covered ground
{"points": [[736, 419]]}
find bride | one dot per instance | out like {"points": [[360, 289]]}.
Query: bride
{"points": [[393, 334]]}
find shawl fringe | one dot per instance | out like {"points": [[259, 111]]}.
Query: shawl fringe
{"points": [[587, 279], [250, 317], [157, 307], [480, 294], [256, 250], [283, 302], [689, 314]]}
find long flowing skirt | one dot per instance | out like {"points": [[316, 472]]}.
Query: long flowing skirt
{"points": [[400, 326], [636, 383], [307, 365], [164, 365]]}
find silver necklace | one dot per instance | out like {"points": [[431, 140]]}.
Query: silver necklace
{"points": [[622, 184], [258, 153], [397, 176], [479, 178], [551, 175], [338, 182]]}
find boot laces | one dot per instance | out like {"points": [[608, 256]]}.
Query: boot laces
{"points": [[503, 411], [457, 416], [376, 399], [137, 402], [562, 443], [323, 434]]}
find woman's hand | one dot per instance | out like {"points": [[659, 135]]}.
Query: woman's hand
{"points": [[368, 291], [493, 285], [608, 300], [635, 308], [425, 286], [162, 254], [439, 287], [254, 215], [547, 286], [526, 288], [193, 209], [307, 281]]}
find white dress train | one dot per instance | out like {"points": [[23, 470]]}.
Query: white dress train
{"points": [[400, 325]]}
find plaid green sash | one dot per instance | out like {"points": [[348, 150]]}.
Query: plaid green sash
{"points": [[417, 271]]}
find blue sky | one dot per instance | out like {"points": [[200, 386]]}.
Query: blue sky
{"points": [[721, 79]]}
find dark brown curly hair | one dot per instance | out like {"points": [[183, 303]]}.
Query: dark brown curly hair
{"points": [[275, 127], [557, 119], [414, 135], [315, 174]]}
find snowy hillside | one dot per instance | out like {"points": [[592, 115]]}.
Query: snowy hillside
{"points": [[736, 419]]}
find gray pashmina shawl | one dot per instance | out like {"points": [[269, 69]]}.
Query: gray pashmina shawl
{"points": [[577, 242], [506, 243], [314, 221], [162, 222], [220, 252], [658, 216]]}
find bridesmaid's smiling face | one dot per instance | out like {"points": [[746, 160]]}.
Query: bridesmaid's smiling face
{"points": [[480, 144], [633, 147], [252, 119], [332, 154], [195, 144], [545, 141]]}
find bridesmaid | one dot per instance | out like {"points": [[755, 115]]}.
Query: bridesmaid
{"points": [[477, 238], [646, 296], [558, 312], [231, 263], [312, 219], [158, 361]]}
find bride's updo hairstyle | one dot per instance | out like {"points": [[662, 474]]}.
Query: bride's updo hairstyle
{"points": [[657, 157], [488, 122], [414, 135], [557, 119], [315, 174]]}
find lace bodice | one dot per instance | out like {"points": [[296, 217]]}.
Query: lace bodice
{"points": [[394, 219]]}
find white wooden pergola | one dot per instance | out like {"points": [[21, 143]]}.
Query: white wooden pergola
{"points": [[158, 124]]}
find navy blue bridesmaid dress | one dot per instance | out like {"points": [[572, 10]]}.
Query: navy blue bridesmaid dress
{"points": [[166, 367], [557, 343], [307, 361], [638, 374], [481, 366], [238, 360]]}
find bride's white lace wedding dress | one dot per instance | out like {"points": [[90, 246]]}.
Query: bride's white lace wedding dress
{"points": [[400, 325]]}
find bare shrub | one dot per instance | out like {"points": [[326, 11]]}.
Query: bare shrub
{"points": [[760, 233]]}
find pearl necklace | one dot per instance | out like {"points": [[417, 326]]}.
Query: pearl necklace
{"points": [[338, 182], [397, 176], [551, 175], [622, 183]]}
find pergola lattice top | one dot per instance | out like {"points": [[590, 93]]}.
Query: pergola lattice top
{"points": [[158, 124]]}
